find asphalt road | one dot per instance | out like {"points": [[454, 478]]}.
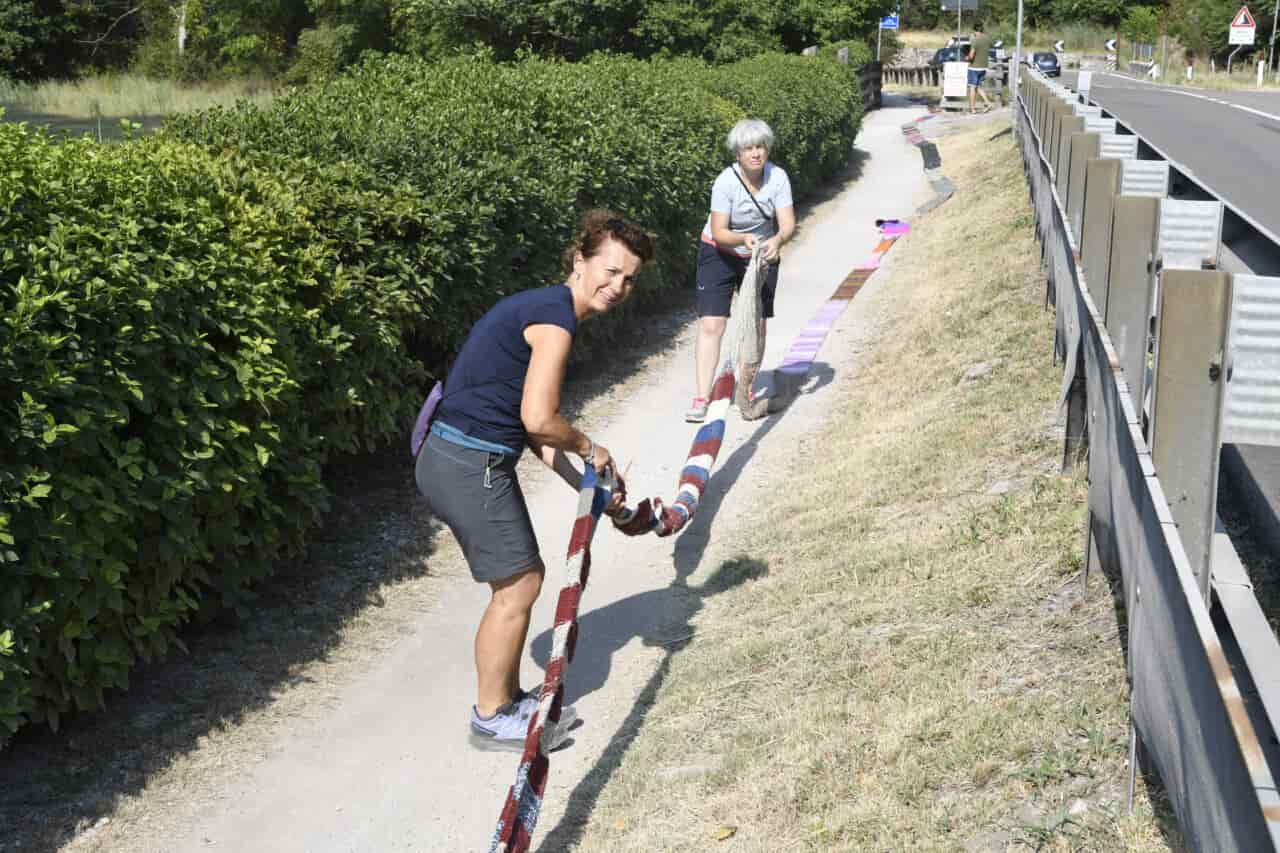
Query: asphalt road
{"points": [[1228, 142]]}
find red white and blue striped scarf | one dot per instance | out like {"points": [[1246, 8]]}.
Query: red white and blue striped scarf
{"points": [[524, 799]]}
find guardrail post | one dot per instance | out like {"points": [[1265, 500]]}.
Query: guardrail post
{"points": [[1102, 179], [1084, 146], [1191, 372], [1042, 102], [1128, 309], [1252, 414], [1068, 127], [1065, 122], [1055, 111]]}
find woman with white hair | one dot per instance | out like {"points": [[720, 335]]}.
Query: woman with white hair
{"points": [[750, 203]]}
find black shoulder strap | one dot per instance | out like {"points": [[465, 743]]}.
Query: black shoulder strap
{"points": [[750, 193]]}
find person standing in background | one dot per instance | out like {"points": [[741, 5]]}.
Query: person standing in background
{"points": [[979, 60], [750, 202]]}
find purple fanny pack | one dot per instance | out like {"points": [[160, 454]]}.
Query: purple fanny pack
{"points": [[422, 426]]}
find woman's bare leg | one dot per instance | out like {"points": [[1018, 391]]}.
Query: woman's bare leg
{"points": [[707, 352], [501, 636]]}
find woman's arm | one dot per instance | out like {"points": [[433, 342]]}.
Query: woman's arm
{"points": [[727, 238], [540, 404], [786, 229], [558, 461]]}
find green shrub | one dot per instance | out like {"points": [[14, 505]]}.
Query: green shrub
{"points": [[814, 107], [860, 53], [194, 322], [510, 154], [181, 351]]}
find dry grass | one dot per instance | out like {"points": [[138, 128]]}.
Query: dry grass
{"points": [[922, 93], [131, 95], [917, 670], [1221, 81], [1079, 38]]}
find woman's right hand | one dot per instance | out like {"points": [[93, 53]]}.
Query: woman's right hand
{"points": [[749, 241], [601, 459]]}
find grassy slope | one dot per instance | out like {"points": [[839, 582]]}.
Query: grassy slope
{"points": [[917, 670]]}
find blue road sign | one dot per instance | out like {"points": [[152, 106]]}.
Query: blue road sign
{"points": [[889, 22]]}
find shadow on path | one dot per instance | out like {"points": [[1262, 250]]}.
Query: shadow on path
{"points": [[668, 612], [53, 785]]}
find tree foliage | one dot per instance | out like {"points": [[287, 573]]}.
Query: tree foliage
{"points": [[1141, 25], [716, 30]]}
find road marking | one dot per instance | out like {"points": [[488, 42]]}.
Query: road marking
{"points": [[1200, 97]]}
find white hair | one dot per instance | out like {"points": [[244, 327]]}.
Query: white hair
{"points": [[749, 132]]}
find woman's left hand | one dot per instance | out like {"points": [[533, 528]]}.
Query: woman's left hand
{"points": [[619, 500], [771, 248]]}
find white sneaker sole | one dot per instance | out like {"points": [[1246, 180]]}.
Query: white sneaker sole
{"points": [[491, 743]]}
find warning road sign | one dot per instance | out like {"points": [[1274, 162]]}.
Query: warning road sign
{"points": [[1243, 28]]}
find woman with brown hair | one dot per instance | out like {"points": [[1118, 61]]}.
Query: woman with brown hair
{"points": [[503, 394]]}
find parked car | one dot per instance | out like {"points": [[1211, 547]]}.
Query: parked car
{"points": [[1047, 63], [947, 54]]}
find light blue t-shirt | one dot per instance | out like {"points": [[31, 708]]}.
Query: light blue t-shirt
{"points": [[728, 195]]}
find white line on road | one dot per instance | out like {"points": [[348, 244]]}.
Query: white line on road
{"points": [[1178, 91]]}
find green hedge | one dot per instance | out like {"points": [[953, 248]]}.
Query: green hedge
{"points": [[511, 154], [195, 321]]}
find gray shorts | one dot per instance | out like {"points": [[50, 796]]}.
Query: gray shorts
{"points": [[490, 522]]}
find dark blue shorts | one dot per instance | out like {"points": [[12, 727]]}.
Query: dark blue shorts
{"points": [[720, 274], [976, 75]]}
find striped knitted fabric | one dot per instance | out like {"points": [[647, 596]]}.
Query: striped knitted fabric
{"points": [[804, 349], [652, 514], [524, 799]]}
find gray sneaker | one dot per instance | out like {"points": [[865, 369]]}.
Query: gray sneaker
{"points": [[506, 730]]}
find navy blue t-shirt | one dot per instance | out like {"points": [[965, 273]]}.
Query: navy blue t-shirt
{"points": [[483, 392]]}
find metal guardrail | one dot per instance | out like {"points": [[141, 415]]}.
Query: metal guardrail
{"points": [[1205, 689], [920, 75], [1253, 407]]}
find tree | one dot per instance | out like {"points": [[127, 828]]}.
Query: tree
{"points": [[1141, 25], [1203, 25]]}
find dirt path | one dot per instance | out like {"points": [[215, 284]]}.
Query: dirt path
{"points": [[386, 766]]}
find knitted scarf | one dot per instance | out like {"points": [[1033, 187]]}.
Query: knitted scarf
{"points": [[524, 799], [745, 354]]}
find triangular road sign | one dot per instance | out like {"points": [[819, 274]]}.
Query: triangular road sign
{"points": [[1243, 19]]}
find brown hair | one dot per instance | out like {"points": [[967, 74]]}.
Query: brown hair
{"points": [[599, 225]]}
